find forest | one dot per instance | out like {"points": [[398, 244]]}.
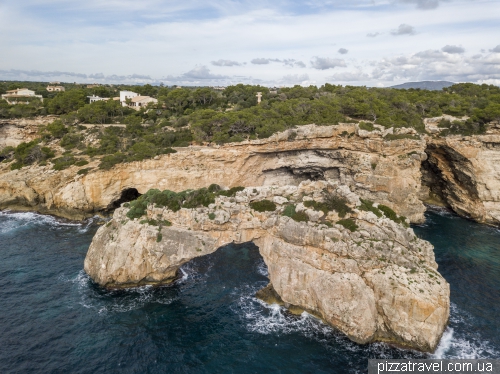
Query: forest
{"points": [[202, 115]]}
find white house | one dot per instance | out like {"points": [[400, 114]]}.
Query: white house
{"points": [[140, 101], [55, 88], [94, 98], [17, 96], [124, 95]]}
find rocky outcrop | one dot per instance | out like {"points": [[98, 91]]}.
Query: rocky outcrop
{"points": [[464, 174], [378, 282], [385, 171], [15, 131]]}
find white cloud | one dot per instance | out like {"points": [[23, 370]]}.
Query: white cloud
{"points": [[201, 73], [261, 61], [343, 51], [222, 62], [349, 76], [453, 49], [373, 34], [324, 63], [403, 29], [496, 49], [294, 79], [422, 4]]}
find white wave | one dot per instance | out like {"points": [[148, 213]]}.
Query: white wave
{"points": [[115, 301], [444, 344], [20, 219], [262, 268], [461, 341]]}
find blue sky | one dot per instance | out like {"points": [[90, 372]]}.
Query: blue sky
{"points": [[192, 42]]}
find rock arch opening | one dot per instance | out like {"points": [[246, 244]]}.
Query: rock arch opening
{"points": [[128, 194]]}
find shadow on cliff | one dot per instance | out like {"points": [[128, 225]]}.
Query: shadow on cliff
{"points": [[127, 195]]}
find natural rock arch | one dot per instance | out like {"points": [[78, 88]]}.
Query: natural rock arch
{"points": [[127, 195]]}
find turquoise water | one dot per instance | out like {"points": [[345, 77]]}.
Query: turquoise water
{"points": [[55, 320]]}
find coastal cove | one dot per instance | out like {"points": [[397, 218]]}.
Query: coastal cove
{"points": [[55, 319]]}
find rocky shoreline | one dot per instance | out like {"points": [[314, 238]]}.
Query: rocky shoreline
{"points": [[374, 280]]}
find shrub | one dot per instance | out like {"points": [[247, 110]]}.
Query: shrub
{"points": [[339, 204], [81, 162], [289, 210], [57, 129], [391, 214], [171, 200], [83, 171], [367, 205], [70, 141], [231, 192], [300, 217], [348, 224], [109, 161], [317, 206], [263, 206], [159, 237], [211, 216], [63, 162], [367, 126]]}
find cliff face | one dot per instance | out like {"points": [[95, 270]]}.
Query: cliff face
{"points": [[385, 171], [15, 131], [464, 174], [377, 283]]}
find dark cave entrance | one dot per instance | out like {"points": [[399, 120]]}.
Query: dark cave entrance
{"points": [[128, 194]]}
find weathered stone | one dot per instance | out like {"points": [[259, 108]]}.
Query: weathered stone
{"points": [[378, 283]]}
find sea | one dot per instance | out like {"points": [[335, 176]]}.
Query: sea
{"points": [[54, 319]]}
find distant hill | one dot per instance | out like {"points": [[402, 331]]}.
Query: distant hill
{"points": [[425, 85]]}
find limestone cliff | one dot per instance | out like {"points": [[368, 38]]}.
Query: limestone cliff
{"points": [[377, 282], [464, 174], [384, 171]]}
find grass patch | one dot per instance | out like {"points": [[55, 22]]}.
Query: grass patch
{"points": [[231, 192], [263, 206], [367, 126], [367, 206], [332, 202], [83, 171], [391, 214], [348, 224]]}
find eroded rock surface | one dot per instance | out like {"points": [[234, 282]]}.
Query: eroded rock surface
{"points": [[376, 283], [384, 171], [464, 174]]}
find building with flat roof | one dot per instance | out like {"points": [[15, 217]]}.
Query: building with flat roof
{"points": [[20, 96], [94, 98], [124, 95], [55, 88], [140, 101]]}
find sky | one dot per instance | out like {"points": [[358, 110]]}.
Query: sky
{"points": [[272, 43]]}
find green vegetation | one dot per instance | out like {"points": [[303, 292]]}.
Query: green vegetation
{"points": [[368, 126], [289, 211], [83, 171], [174, 200], [367, 205], [263, 206], [331, 202], [231, 192], [211, 216], [391, 214], [348, 224], [186, 115], [26, 154]]}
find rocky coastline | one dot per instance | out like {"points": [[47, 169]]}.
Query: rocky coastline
{"points": [[373, 279]]}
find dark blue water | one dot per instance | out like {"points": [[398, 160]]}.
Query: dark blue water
{"points": [[54, 320]]}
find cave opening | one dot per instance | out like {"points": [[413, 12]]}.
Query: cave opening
{"points": [[128, 194]]}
